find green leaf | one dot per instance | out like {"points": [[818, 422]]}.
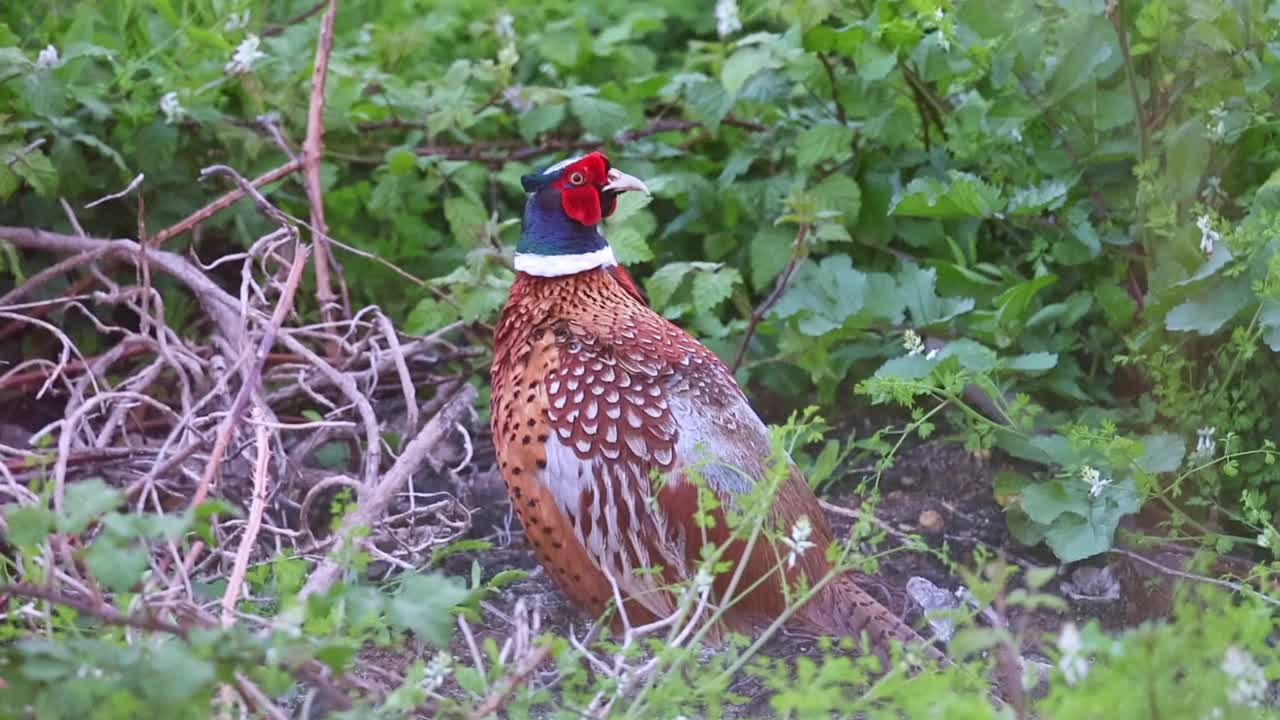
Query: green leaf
{"points": [[118, 566], [1013, 303], [1031, 362], [1208, 312], [1088, 46], [422, 606], [1162, 453], [907, 367], [712, 288], [823, 142], [85, 501], [428, 316], [629, 246], [743, 64], [823, 295], [600, 117], [971, 354], [961, 195], [466, 218], [662, 285], [924, 305], [540, 119], [36, 168], [28, 524], [839, 193], [1269, 318], [1048, 195]]}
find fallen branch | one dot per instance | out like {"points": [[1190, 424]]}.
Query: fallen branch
{"points": [[312, 149], [374, 500]]}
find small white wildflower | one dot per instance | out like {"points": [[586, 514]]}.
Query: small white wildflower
{"points": [[912, 342], [508, 56], [702, 580], [246, 55], [1208, 236], [1073, 663], [1249, 682], [1015, 134], [931, 354], [799, 541], [938, 15], [48, 58], [1217, 125], [505, 27], [237, 21], [1094, 478], [727, 21], [549, 70], [437, 671], [171, 107], [1206, 446], [943, 42]]}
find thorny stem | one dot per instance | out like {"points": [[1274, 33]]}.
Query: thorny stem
{"points": [[798, 250], [312, 149]]}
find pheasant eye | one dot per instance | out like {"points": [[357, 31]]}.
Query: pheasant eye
{"points": [[576, 179]]}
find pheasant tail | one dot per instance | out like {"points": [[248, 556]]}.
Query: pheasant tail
{"points": [[842, 608]]}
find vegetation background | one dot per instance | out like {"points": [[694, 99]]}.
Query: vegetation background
{"points": [[1045, 232]]}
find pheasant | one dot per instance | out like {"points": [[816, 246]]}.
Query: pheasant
{"points": [[602, 413]]}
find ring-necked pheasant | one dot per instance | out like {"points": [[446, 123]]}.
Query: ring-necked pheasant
{"points": [[596, 396]]}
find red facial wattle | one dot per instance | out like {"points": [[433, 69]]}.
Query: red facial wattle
{"points": [[580, 190]]}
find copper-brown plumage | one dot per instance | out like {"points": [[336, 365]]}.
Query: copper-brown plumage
{"points": [[594, 396]]}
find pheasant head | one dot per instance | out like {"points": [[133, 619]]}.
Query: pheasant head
{"points": [[567, 201]]}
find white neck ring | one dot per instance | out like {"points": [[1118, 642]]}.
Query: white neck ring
{"points": [[558, 265]]}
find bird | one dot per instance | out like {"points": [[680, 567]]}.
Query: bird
{"points": [[609, 420]]}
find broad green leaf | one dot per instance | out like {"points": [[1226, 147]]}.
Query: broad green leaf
{"points": [[84, 502], [712, 288], [1031, 362], [1162, 453], [1088, 45], [600, 117], [839, 193], [28, 524], [1048, 195], [423, 604], [961, 195], [662, 285], [823, 295], [1208, 312], [466, 218], [907, 367], [744, 63], [923, 302], [971, 354], [629, 246], [823, 142]]}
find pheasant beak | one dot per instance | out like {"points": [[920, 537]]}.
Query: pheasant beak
{"points": [[621, 182]]}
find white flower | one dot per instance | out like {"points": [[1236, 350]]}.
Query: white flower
{"points": [[1095, 479], [931, 354], [48, 58], [171, 107], [508, 56], [912, 342], [702, 580], [943, 42], [505, 27], [799, 541], [437, 671], [1073, 663], [247, 53], [1249, 684], [727, 22], [1206, 446], [237, 21], [938, 15], [1015, 134], [1208, 236], [1217, 125]]}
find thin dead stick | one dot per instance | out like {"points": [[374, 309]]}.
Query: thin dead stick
{"points": [[373, 501], [312, 149], [1232, 586], [257, 699], [221, 203], [252, 380], [512, 682], [402, 369], [798, 249], [256, 508], [283, 306]]}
